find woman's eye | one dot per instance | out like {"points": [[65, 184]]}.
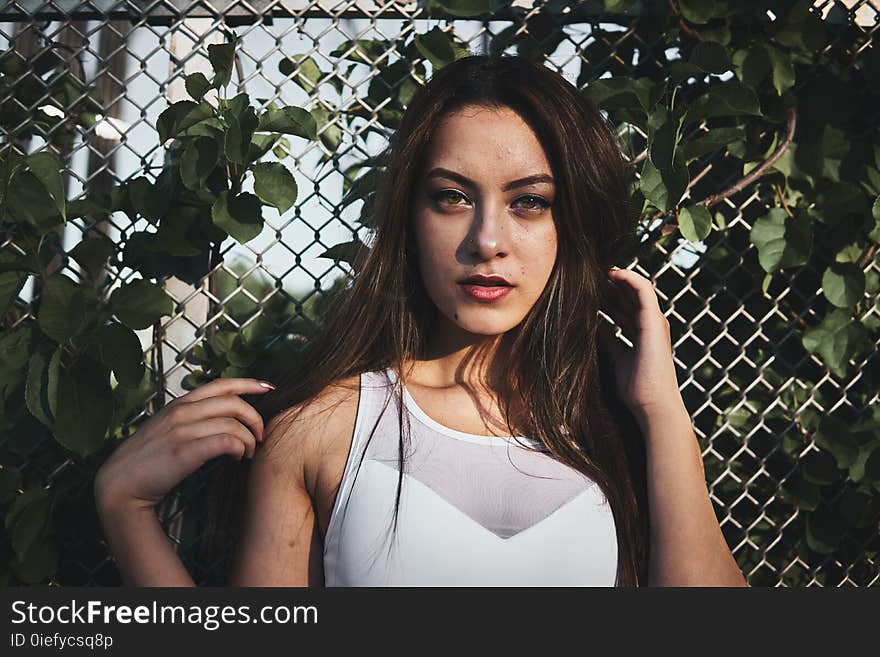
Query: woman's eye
{"points": [[534, 202], [450, 197], [445, 195]]}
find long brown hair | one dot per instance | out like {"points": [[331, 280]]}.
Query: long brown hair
{"points": [[554, 369]]}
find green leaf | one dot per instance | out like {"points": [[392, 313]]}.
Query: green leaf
{"points": [[664, 154], [872, 466], [261, 144], [308, 75], [703, 11], [618, 6], [875, 212], [843, 284], [197, 85], [120, 350], [194, 379], [275, 185], [28, 200], [179, 235], [233, 371], [239, 133], [468, 8], [347, 252], [802, 29], [144, 199], [728, 98], [824, 531], [198, 160], [711, 141], [290, 121], [613, 93], [241, 354], [11, 283], [849, 253], [62, 308], [180, 116], [365, 51], [222, 57], [782, 241], [361, 187], [12, 63], [139, 304], [10, 481], [801, 493], [28, 519], [820, 468], [40, 562], [857, 471], [752, 65], [711, 57], [211, 127], [695, 223], [240, 217], [833, 435], [858, 509], [47, 169], [783, 70], [15, 351], [92, 254], [199, 355], [438, 47], [331, 134], [652, 187], [837, 339], [85, 406], [222, 341], [37, 389]]}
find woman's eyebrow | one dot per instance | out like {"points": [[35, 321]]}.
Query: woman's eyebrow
{"points": [[438, 172]]}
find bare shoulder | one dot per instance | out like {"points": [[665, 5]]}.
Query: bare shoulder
{"points": [[286, 509], [309, 433]]}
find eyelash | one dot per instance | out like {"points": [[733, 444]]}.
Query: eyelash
{"points": [[543, 204]]}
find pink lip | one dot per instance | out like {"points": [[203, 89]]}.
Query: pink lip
{"points": [[483, 293]]}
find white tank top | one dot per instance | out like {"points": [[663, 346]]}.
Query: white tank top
{"points": [[474, 510]]}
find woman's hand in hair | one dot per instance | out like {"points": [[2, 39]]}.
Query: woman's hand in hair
{"points": [[204, 423], [645, 373]]}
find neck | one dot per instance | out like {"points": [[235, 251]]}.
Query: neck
{"points": [[455, 357]]}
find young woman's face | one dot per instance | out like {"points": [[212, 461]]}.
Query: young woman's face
{"points": [[483, 206]]}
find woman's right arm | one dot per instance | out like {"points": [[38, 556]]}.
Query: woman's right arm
{"points": [[143, 552], [205, 423], [280, 542]]}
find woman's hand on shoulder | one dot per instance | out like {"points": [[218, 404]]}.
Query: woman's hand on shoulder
{"points": [[204, 423]]}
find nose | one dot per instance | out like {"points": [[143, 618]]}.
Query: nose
{"points": [[488, 237]]}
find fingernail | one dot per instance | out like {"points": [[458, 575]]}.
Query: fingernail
{"points": [[265, 384]]}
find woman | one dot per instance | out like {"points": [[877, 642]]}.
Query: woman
{"points": [[537, 448]]}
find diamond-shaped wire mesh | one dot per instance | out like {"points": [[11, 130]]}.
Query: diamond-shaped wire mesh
{"points": [[136, 55]]}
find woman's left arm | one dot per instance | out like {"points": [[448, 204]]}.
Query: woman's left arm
{"points": [[687, 547]]}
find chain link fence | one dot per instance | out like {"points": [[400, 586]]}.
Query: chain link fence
{"points": [[135, 55]]}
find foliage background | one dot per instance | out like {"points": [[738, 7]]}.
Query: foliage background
{"points": [[753, 127]]}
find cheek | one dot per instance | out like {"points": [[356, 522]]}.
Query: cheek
{"points": [[435, 253], [538, 260]]}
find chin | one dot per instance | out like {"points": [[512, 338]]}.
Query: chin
{"points": [[479, 323]]}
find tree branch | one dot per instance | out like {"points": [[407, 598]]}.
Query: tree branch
{"points": [[756, 173]]}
